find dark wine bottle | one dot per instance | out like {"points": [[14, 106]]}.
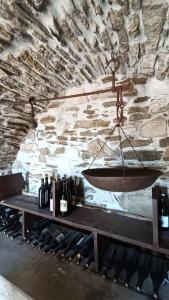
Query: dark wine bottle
{"points": [[119, 261], [158, 272], [70, 244], [163, 211], [71, 254], [62, 244], [88, 260], [58, 195], [107, 262], [16, 234], [143, 269], [130, 264], [87, 245], [47, 191], [54, 243], [63, 207], [42, 194]]}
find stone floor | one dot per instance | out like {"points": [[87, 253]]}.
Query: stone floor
{"points": [[45, 278]]}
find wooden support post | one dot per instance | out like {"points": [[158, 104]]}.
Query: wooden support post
{"points": [[96, 256]]}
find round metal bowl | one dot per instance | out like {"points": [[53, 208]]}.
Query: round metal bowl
{"points": [[120, 179]]}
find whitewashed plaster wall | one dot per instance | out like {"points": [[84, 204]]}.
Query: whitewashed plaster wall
{"points": [[70, 132]]}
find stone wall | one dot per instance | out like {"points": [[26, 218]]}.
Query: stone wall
{"points": [[70, 133], [49, 46]]}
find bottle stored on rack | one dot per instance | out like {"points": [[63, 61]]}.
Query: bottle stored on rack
{"points": [[41, 194], [86, 247], [71, 254], [52, 195], [47, 191], [62, 244], [74, 239], [86, 262], [64, 204], [119, 261], [163, 211], [54, 243], [107, 262], [58, 194], [159, 270], [130, 265], [143, 269]]}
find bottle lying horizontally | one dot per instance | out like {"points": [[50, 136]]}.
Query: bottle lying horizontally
{"points": [[108, 257], [130, 265], [158, 272], [10, 222], [87, 245], [143, 269]]}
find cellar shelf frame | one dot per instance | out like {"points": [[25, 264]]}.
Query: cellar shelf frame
{"points": [[104, 226]]}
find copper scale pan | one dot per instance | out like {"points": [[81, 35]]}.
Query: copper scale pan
{"points": [[115, 180]]}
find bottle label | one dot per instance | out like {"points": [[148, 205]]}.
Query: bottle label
{"points": [[63, 205], [51, 204], [165, 221]]}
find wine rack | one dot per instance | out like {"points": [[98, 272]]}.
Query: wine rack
{"points": [[141, 234]]}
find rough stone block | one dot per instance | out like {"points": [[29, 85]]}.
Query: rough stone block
{"points": [[156, 127]]}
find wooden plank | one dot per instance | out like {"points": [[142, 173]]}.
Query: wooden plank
{"points": [[10, 185], [134, 231], [155, 195]]}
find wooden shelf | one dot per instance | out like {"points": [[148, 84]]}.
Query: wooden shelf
{"points": [[104, 226], [129, 230]]}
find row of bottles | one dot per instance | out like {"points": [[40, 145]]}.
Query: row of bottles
{"points": [[119, 259], [62, 190], [163, 210], [66, 244], [10, 222]]}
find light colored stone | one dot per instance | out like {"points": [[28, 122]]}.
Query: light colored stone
{"points": [[138, 116], [95, 146], [47, 119], [91, 124], [134, 202], [154, 12], [134, 23], [156, 127]]}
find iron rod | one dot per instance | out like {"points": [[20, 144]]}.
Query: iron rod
{"points": [[124, 87]]}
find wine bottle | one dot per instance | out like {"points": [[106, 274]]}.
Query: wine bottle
{"points": [[58, 195], [87, 245], [47, 191], [10, 233], [130, 264], [71, 254], [70, 244], [51, 195], [16, 234], [62, 244], [163, 211], [63, 206], [108, 259], [143, 269], [54, 243], [88, 260], [119, 261], [42, 195], [158, 273]]}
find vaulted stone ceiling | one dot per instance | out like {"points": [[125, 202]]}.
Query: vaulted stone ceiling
{"points": [[47, 46]]}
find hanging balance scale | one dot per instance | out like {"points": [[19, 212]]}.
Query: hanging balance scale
{"points": [[122, 178]]}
